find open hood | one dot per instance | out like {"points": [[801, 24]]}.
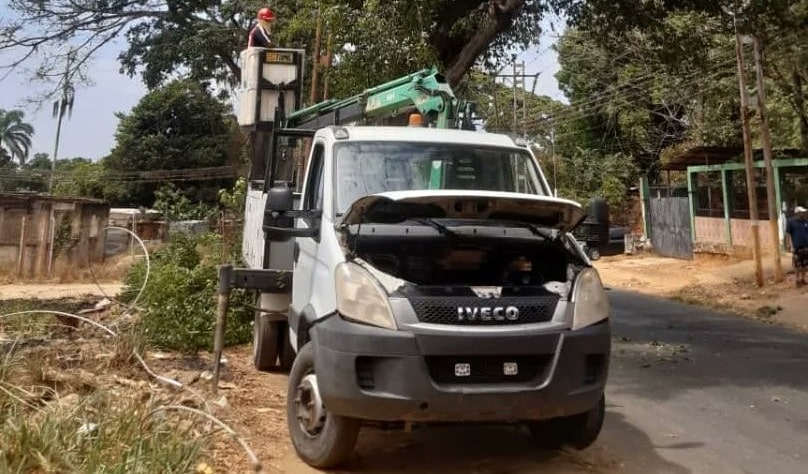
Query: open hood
{"points": [[398, 206]]}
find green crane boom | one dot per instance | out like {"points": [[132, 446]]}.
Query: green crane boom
{"points": [[426, 91]]}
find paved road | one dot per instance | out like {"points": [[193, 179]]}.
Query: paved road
{"points": [[690, 391], [693, 391]]}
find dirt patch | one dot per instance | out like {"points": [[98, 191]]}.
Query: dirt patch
{"points": [[719, 282], [112, 269], [49, 291]]}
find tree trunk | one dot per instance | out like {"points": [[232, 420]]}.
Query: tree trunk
{"points": [[500, 18], [799, 105]]}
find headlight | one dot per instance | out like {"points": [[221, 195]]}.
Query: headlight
{"points": [[589, 298], [361, 298]]}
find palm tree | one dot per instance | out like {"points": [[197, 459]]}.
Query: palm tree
{"points": [[15, 135]]}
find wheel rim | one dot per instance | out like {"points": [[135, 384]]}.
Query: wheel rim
{"points": [[309, 409]]}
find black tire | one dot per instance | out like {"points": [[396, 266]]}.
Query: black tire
{"points": [[578, 431], [333, 443], [287, 352], [266, 339]]}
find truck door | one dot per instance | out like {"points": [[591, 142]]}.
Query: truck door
{"points": [[305, 250]]}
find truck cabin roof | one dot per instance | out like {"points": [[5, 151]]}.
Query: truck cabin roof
{"points": [[422, 134]]}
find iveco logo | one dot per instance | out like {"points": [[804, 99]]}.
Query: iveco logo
{"points": [[487, 313]]}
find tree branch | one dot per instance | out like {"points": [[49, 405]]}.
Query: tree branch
{"points": [[500, 17]]}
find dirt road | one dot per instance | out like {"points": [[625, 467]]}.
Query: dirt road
{"points": [[56, 291], [712, 281]]}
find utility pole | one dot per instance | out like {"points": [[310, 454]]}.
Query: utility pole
{"points": [[496, 102], [747, 152], [315, 59], [524, 103], [518, 81], [329, 58], [765, 138]]}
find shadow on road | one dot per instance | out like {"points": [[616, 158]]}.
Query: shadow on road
{"points": [[500, 450]]}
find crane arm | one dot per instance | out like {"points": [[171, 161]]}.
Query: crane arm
{"points": [[427, 91]]}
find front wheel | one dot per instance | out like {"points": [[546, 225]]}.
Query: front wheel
{"points": [[321, 439], [578, 431]]}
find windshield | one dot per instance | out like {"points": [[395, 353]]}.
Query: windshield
{"points": [[365, 168]]}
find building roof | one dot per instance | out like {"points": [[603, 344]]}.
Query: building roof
{"points": [[716, 155]]}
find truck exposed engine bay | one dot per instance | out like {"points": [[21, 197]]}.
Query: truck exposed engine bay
{"points": [[411, 275]]}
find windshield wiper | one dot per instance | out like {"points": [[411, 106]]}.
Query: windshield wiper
{"points": [[440, 227], [540, 231]]}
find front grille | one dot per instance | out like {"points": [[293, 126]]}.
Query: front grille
{"points": [[444, 309], [487, 369]]}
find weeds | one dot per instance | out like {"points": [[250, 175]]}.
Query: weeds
{"points": [[95, 433], [63, 410], [178, 307]]}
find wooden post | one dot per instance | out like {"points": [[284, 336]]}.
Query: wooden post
{"points": [[750, 170], [329, 58], [223, 296], [43, 238], [315, 59], [725, 198], [23, 245], [766, 140]]}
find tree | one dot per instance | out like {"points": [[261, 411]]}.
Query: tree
{"points": [[15, 134], [204, 37], [176, 127], [681, 34], [80, 177]]}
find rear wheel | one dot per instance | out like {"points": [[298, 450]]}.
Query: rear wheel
{"points": [[321, 439], [578, 431], [266, 339], [287, 352]]}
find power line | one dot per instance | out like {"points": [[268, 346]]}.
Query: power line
{"points": [[614, 91], [569, 115]]}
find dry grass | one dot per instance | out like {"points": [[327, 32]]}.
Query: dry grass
{"points": [[74, 399]]}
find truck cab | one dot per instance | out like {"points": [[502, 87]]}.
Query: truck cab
{"points": [[435, 279]]}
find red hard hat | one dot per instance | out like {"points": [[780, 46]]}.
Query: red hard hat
{"points": [[266, 14]]}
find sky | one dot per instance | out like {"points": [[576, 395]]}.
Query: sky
{"points": [[89, 133]]}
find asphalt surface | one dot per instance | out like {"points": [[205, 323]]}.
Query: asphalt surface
{"points": [[690, 391], [694, 391]]}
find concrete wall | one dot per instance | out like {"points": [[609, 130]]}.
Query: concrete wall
{"points": [[37, 223], [710, 230]]}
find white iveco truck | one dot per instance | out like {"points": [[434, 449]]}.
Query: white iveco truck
{"points": [[423, 274]]}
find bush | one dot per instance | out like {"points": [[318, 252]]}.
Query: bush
{"points": [[179, 302]]}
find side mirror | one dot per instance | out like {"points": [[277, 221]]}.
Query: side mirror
{"points": [[596, 224], [279, 216]]}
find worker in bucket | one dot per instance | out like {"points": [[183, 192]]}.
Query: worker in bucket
{"points": [[261, 34]]}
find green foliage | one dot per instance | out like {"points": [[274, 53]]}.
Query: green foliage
{"points": [[586, 174], [174, 206], [233, 199], [688, 49], [179, 126], [85, 178], [15, 134], [179, 302]]}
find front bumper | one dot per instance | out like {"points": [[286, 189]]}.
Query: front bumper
{"points": [[383, 375]]}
